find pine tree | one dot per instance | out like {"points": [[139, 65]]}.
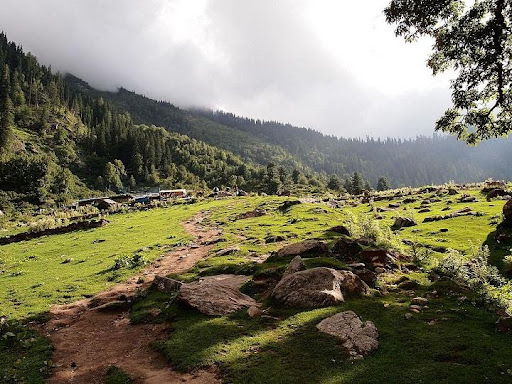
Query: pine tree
{"points": [[357, 184], [334, 183], [6, 113], [383, 184]]}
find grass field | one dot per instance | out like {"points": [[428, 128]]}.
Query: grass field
{"points": [[58, 269], [454, 340]]}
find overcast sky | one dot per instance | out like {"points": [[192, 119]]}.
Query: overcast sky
{"points": [[332, 65]]}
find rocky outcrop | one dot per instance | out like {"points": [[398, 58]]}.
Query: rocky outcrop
{"points": [[306, 247], [358, 339], [317, 287], [216, 295]]}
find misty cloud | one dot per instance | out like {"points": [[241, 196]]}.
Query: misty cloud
{"points": [[261, 59]]}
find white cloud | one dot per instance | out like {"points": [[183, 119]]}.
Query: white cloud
{"points": [[331, 65]]}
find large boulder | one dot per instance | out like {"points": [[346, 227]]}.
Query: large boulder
{"points": [[358, 339], [378, 258], [402, 222], [216, 295], [166, 284], [296, 265], [341, 229], [317, 287], [507, 211], [494, 193], [347, 249], [306, 247]]}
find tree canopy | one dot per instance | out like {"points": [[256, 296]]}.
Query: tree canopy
{"points": [[474, 39]]}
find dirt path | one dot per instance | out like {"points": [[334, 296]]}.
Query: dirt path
{"points": [[88, 341]]}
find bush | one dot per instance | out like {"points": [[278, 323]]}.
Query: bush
{"points": [[136, 260], [507, 264], [474, 271]]}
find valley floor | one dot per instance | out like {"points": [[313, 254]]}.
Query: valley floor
{"points": [[143, 332]]}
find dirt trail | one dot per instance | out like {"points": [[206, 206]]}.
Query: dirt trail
{"points": [[88, 341]]}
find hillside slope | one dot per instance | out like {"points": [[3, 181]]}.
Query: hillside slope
{"points": [[421, 161]]}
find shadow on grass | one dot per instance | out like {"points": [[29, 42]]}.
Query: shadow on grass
{"points": [[447, 343]]}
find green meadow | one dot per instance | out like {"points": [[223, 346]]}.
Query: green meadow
{"points": [[453, 340]]}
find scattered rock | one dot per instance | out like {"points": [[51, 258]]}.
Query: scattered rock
{"points": [[274, 239], [419, 301], [216, 295], [443, 230], [379, 258], [296, 265], [497, 192], [288, 204], [466, 211], [318, 287], [366, 275], [467, 199], [248, 215], [490, 185], [408, 285], [166, 284], [452, 191], [358, 339], [228, 251], [341, 229], [394, 205], [504, 324], [303, 248], [347, 249], [408, 315], [401, 222], [254, 312], [424, 210]]}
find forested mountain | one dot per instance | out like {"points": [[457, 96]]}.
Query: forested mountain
{"points": [[58, 143], [419, 161], [61, 139]]}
